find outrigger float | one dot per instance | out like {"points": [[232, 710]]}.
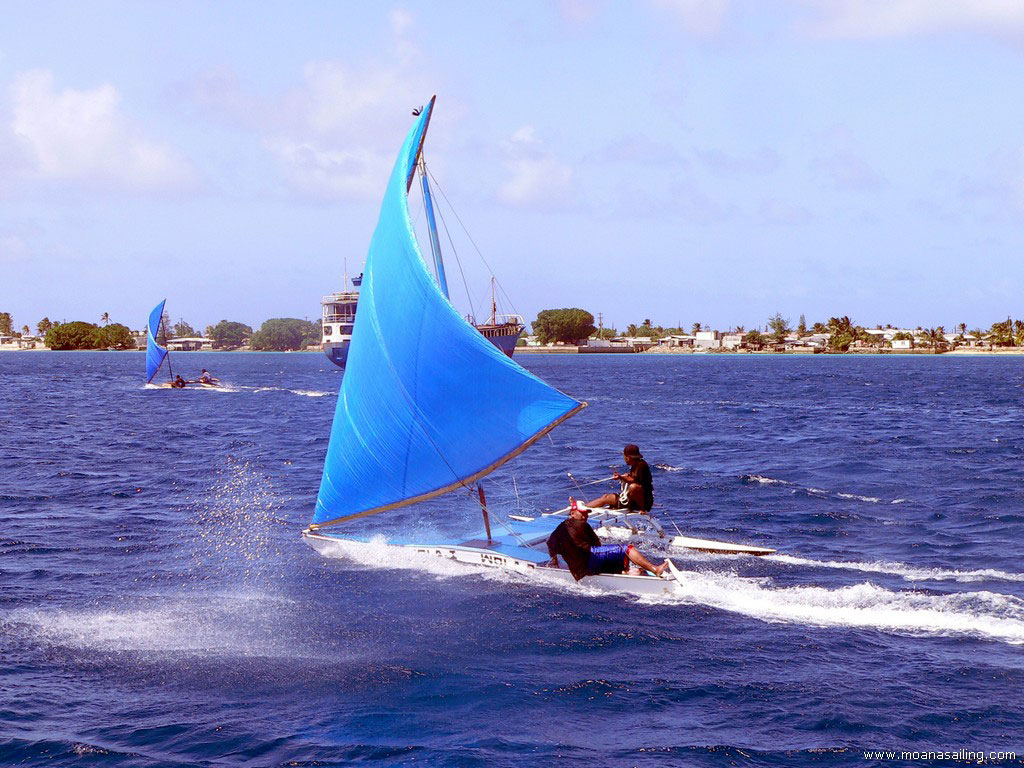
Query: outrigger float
{"points": [[428, 406]]}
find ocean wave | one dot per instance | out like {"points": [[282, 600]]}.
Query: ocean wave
{"points": [[303, 392], [764, 480], [907, 572], [856, 497], [812, 491]]}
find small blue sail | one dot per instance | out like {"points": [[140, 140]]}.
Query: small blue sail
{"points": [[427, 404], [155, 354]]}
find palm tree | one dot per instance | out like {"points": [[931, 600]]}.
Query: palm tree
{"points": [[25, 330], [631, 329], [696, 328], [1003, 333], [933, 337], [105, 318]]}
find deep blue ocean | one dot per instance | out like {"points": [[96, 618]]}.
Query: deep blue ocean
{"points": [[158, 607]]}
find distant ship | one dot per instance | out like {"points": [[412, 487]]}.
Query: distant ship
{"points": [[503, 331], [339, 315]]}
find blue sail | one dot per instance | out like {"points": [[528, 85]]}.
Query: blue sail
{"points": [[155, 354], [427, 404]]}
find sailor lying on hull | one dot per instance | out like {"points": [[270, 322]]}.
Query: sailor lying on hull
{"points": [[584, 554]]}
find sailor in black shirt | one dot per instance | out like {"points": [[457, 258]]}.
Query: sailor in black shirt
{"points": [[637, 487], [584, 554]]}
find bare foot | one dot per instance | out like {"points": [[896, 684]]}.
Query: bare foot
{"points": [[661, 568]]}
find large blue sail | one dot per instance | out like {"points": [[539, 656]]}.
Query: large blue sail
{"points": [[155, 354], [427, 404]]}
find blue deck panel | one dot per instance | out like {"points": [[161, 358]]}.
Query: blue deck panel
{"points": [[502, 541], [507, 544]]}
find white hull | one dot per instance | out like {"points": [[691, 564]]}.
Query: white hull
{"points": [[623, 524], [718, 547], [331, 546]]}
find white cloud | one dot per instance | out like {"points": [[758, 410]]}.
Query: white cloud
{"points": [[319, 171], [845, 170], [343, 127], [401, 21], [217, 94], [577, 13], [335, 135], [536, 177], [694, 205], [759, 162], [700, 17], [837, 162], [638, 150], [775, 211], [898, 18], [83, 136]]}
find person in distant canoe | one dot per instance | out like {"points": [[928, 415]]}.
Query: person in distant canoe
{"points": [[637, 487], [206, 378], [178, 383], [584, 554]]}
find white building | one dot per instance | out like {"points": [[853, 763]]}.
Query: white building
{"points": [[732, 340], [707, 340], [676, 340], [189, 344]]}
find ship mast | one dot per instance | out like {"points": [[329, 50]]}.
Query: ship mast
{"points": [[428, 203], [435, 245], [494, 305]]}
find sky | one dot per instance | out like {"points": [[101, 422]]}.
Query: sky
{"points": [[712, 161]]}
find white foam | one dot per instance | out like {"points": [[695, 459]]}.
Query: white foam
{"points": [[986, 615], [766, 480], [818, 491], [855, 497], [907, 572], [208, 625], [221, 388], [378, 553], [981, 614], [304, 392]]}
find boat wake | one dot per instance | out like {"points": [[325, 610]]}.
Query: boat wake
{"points": [[984, 615], [981, 614], [907, 572], [223, 388]]}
